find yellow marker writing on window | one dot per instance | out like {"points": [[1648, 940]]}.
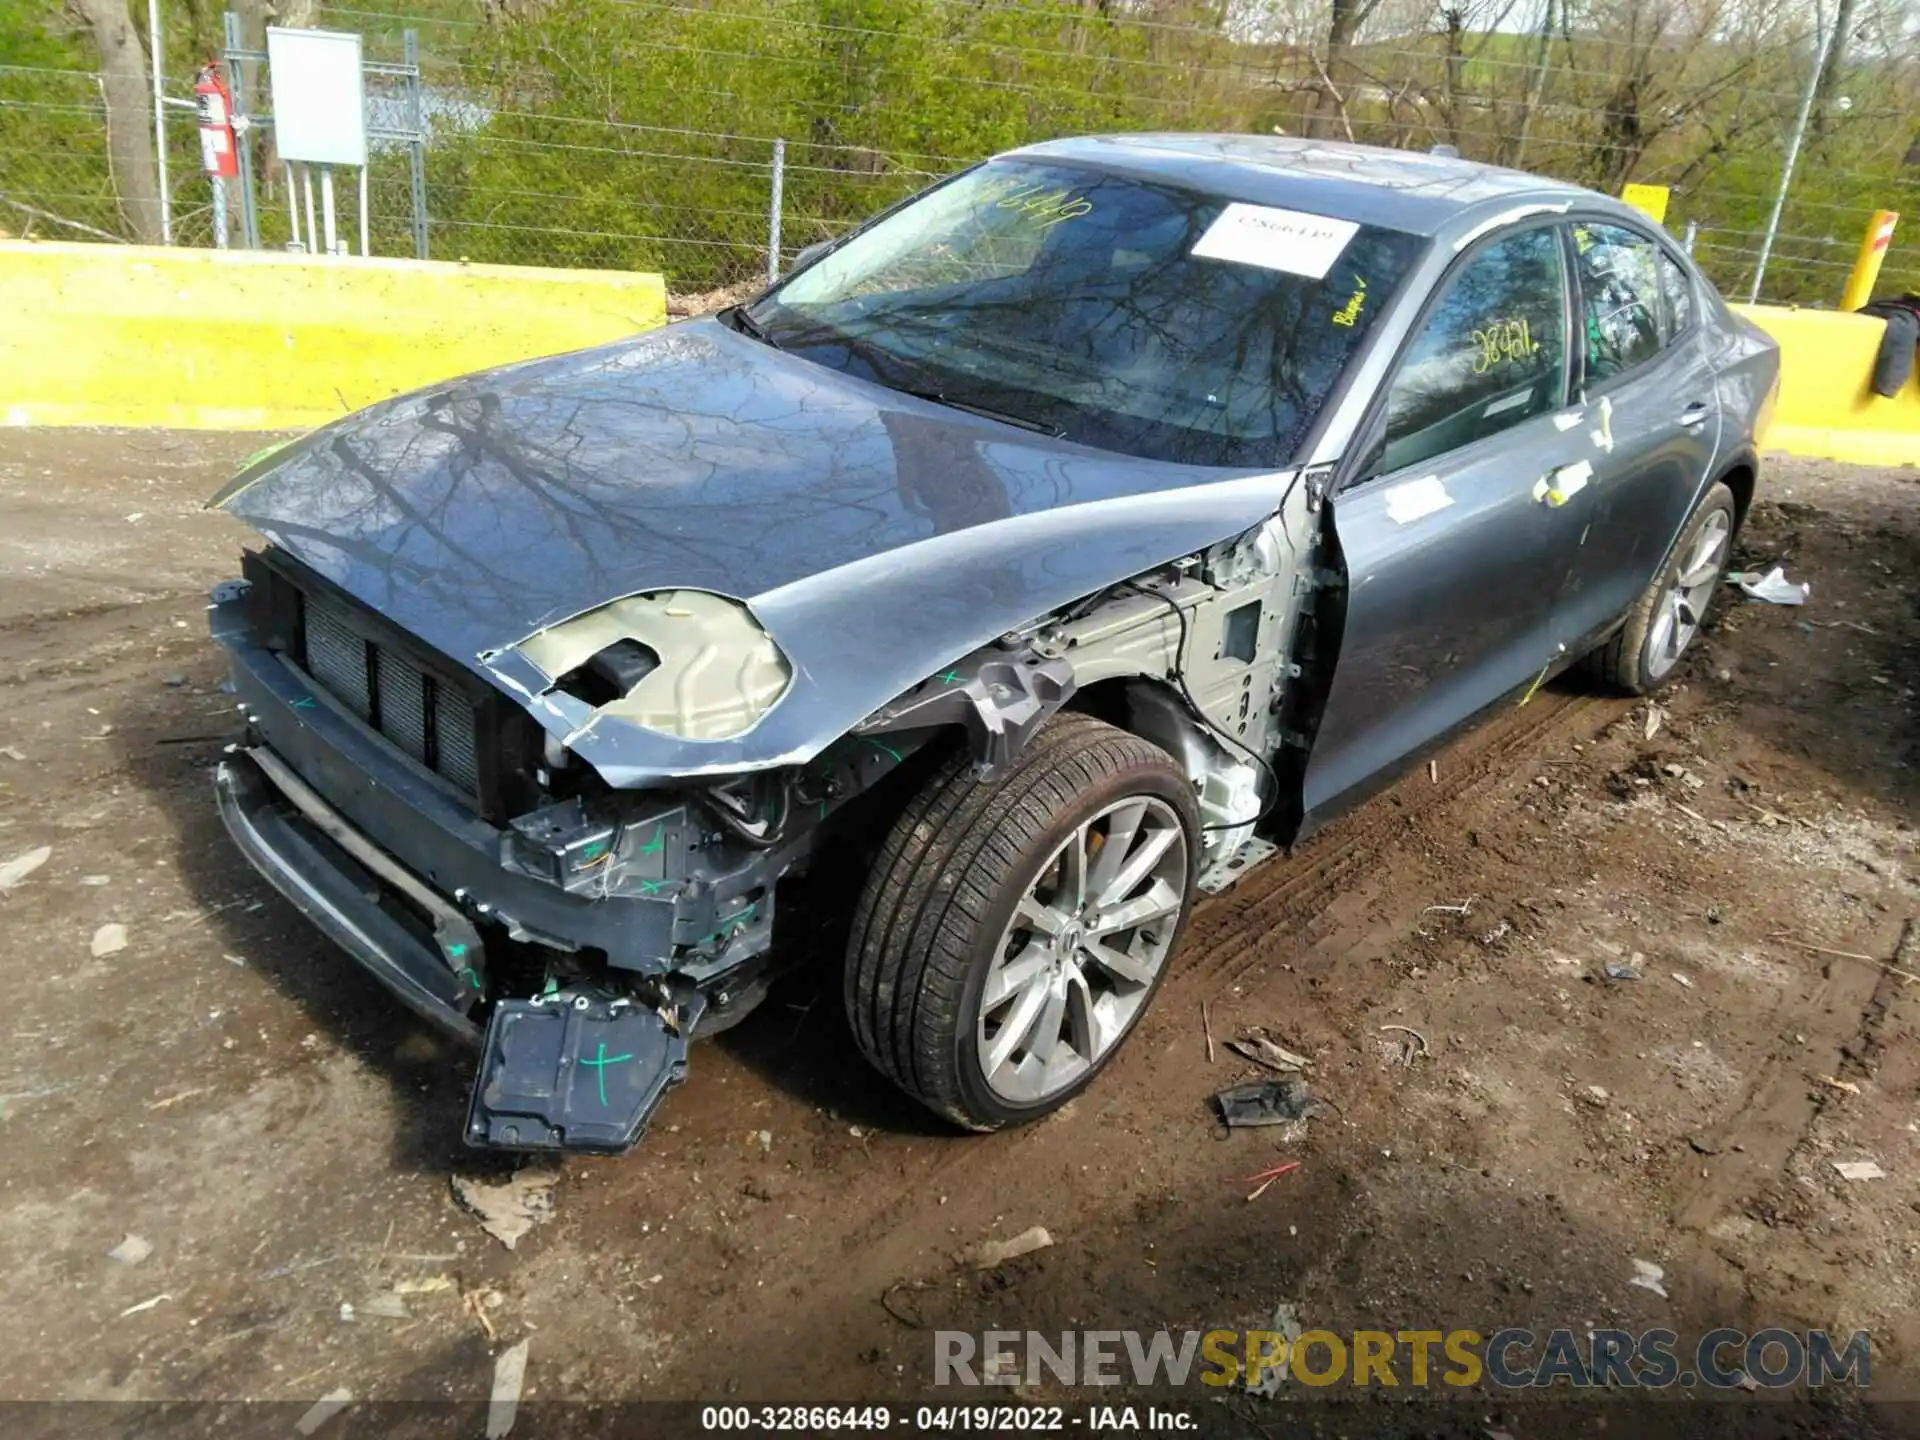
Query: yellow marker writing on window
{"points": [[1503, 342], [1050, 207], [1350, 312]]}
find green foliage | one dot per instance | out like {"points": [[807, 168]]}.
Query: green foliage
{"points": [[638, 133], [53, 136]]}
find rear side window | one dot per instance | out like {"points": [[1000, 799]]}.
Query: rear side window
{"points": [[1620, 298], [1490, 355], [1679, 292]]}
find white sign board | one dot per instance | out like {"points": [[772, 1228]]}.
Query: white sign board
{"points": [[1275, 239], [319, 101]]}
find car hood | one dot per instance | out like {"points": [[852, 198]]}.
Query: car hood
{"points": [[873, 535]]}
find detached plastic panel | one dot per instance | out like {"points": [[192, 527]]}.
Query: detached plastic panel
{"points": [[572, 1073]]}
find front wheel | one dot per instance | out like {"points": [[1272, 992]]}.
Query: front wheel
{"points": [[1012, 934], [1644, 652]]}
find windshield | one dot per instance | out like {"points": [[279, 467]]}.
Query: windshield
{"points": [[1133, 316]]}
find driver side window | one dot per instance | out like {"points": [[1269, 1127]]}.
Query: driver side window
{"points": [[1491, 354]]}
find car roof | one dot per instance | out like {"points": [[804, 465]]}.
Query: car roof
{"points": [[1406, 190]]}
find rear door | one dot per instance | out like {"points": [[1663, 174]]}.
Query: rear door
{"points": [[1650, 386], [1461, 525]]}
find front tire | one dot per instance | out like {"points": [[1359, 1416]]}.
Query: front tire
{"points": [[1643, 653], [1011, 934]]}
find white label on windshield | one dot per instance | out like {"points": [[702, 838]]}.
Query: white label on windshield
{"points": [[1289, 240]]}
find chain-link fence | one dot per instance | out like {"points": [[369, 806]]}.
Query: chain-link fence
{"points": [[643, 134]]}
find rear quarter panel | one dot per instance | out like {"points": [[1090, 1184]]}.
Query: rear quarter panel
{"points": [[1747, 363]]}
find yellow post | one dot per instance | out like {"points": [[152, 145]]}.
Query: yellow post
{"points": [[1866, 265]]}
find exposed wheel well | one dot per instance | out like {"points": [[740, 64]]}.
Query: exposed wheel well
{"points": [[1105, 700], [1740, 479]]}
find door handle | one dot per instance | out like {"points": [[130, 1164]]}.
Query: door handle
{"points": [[1560, 485], [1695, 414]]}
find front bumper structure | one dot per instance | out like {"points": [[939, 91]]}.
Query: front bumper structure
{"points": [[410, 883], [561, 1072]]}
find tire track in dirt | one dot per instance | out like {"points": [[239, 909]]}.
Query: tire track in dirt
{"points": [[60, 644], [1286, 894], [1776, 1118]]}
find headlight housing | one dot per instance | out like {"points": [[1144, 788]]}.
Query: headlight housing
{"points": [[686, 663]]}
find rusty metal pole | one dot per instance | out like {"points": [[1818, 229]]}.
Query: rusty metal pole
{"points": [[1866, 264]]}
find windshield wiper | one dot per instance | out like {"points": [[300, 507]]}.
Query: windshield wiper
{"points": [[985, 412], [737, 318]]}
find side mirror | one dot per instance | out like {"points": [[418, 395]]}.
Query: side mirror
{"points": [[809, 254]]}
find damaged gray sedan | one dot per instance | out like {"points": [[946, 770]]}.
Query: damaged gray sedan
{"points": [[1058, 544]]}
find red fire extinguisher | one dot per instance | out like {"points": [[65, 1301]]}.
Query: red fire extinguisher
{"points": [[215, 102]]}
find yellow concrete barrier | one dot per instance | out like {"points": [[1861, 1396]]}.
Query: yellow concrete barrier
{"points": [[253, 340], [1827, 407]]}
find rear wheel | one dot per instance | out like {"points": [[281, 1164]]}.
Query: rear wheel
{"points": [[1644, 652], [1012, 934]]}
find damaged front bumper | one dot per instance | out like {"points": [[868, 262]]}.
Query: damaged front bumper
{"points": [[423, 894], [557, 1072], [310, 855]]}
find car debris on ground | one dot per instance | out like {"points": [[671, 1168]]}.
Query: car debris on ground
{"points": [[131, 1251], [1859, 1170], [1264, 1102], [1286, 1321], [1772, 587], [990, 1253], [509, 1375], [323, 1410], [1261, 1179], [1649, 1276], [108, 940], [21, 866], [509, 1209]]}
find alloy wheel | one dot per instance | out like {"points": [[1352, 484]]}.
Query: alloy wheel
{"points": [[1079, 958], [1677, 619]]}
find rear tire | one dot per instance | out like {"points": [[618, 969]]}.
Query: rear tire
{"points": [[971, 907], [1645, 652]]}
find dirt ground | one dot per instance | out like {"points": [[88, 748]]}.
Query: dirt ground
{"points": [[230, 1090]]}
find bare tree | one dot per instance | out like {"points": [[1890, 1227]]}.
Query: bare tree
{"points": [[1343, 27], [123, 81], [1536, 85], [1829, 81]]}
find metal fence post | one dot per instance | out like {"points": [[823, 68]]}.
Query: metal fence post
{"points": [[417, 146], [155, 44], [1793, 154], [243, 132], [773, 210], [1686, 241]]}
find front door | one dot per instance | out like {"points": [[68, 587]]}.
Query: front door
{"points": [[1459, 534]]}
